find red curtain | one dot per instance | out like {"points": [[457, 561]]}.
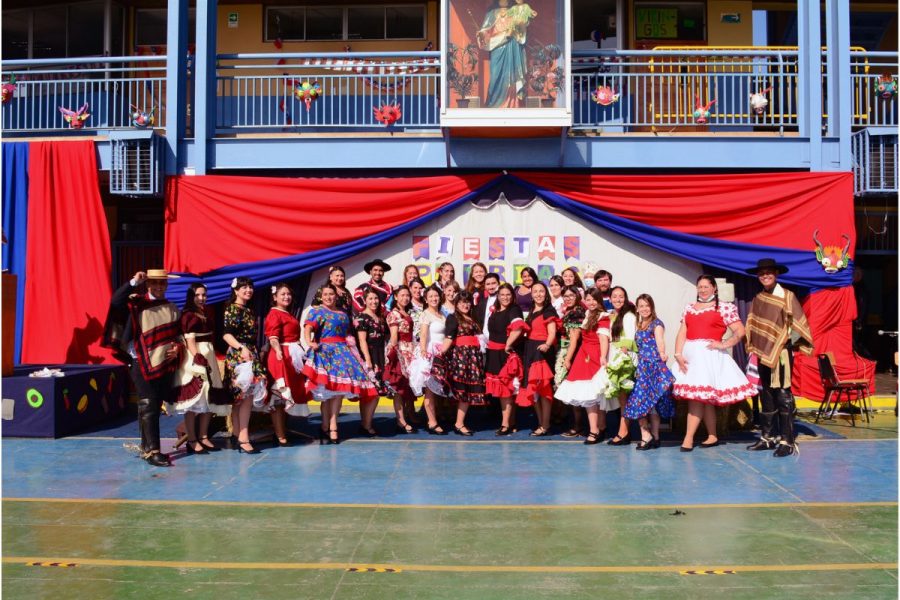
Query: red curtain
{"points": [[830, 313], [763, 209], [216, 220], [67, 277]]}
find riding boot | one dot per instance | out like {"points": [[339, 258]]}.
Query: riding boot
{"points": [[142, 409], [787, 445], [148, 414], [766, 440]]}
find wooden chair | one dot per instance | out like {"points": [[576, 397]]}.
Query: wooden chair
{"points": [[835, 388]]}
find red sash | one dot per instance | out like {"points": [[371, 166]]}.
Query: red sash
{"points": [[467, 340]]}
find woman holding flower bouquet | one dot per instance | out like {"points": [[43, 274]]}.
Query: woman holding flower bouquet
{"points": [[622, 358]]}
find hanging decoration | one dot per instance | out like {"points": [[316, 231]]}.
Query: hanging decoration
{"points": [[287, 116], [307, 92], [886, 86], [759, 101], [701, 111], [142, 119], [388, 114], [75, 119], [833, 258], [604, 95], [8, 89]]}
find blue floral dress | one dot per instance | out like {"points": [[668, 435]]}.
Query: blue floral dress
{"points": [[652, 390], [332, 369]]}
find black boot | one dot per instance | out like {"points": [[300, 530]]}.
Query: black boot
{"points": [[765, 441], [787, 445], [148, 418]]}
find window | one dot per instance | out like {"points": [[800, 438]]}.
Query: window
{"points": [[150, 26], [15, 34], [67, 30], [297, 23], [675, 21]]}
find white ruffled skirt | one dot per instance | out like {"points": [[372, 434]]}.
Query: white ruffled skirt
{"points": [[712, 376]]}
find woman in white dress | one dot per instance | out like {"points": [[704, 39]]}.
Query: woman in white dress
{"points": [[427, 371]]}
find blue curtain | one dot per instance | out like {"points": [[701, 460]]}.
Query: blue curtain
{"points": [[15, 224], [805, 270], [267, 272]]}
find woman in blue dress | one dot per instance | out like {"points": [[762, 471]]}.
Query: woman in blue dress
{"points": [[333, 372], [651, 398]]}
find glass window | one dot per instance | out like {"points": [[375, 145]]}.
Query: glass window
{"points": [[150, 26], [677, 22], [86, 30], [405, 22], [324, 23], [50, 33], [365, 23], [285, 23], [15, 34]]}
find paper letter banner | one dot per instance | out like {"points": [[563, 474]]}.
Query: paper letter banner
{"points": [[471, 248], [546, 247], [517, 274], [497, 248], [520, 247], [420, 247], [445, 247], [545, 272], [572, 247]]}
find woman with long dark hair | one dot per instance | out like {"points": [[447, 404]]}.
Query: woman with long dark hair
{"points": [[572, 319], [586, 382], [571, 278], [622, 358], [556, 286], [199, 392], [505, 326], [241, 331], [465, 363], [523, 292], [372, 333], [287, 392], [539, 357], [400, 354], [428, 373], [707, 376]]}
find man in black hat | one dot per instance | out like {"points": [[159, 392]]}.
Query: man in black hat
{"points": [[376, 270], [775, 326]]}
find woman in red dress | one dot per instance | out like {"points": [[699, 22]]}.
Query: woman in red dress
{"points": [[285, 362], [539, 357], [400, 350], [503, 367]]}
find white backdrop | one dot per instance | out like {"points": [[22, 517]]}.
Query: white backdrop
{"points": [[636, 267]]}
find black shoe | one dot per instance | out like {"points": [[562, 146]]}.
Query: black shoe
{"points": [[570, 433], [242, 450], [683, 449], [369, 433], [210, 447], [285, 444], [503, 431], [540, 432], [435, 430], [650, 444], [762, 444], [409, 429], [593, 438], [620, 441], [784, 449], [713, 445], [333, 441], [189, 448], [461, 431], [323, 435], [158, 459]]}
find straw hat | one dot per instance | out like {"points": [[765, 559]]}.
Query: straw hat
{"points": [[160, 274]]}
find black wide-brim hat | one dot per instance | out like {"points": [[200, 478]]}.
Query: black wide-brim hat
{"points": [[767, 263], [376, 263]]}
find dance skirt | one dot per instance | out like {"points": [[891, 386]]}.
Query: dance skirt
{"points": [[712, 376]]}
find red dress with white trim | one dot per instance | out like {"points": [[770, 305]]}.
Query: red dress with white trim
{"points": [[536, 365], [288, 385], [712, 375], [585, 384]]}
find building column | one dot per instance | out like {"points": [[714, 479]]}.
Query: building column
{"points": [[205, 86], [809, 74], [840, 86], [176, 83]]}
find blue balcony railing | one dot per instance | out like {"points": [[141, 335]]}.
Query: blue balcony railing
{"points": [[109, 86], [265, 91], [870, 109]]}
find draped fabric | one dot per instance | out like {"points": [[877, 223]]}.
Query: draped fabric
{"points": [[67, 278], [15, 222], [830, 314]]}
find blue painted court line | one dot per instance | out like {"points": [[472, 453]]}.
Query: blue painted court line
{"points": [[461, 473]]}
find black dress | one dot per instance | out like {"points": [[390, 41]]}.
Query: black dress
{"points": [[500, 325], [465, 368], [377, 335]]}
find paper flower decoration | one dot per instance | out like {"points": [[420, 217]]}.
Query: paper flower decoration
{"points": [[142, 119], [759, 102], [604, 95], [701, 111], [8, 89], [885, 86], [75, 119], [388, 114], [307, 92], [832, 258]]}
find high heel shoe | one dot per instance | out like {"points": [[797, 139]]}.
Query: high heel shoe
{"points": [[332, 441], [189, 447], [252, 450], [593, 438], [369, 433], [503, 431], [210, 447], [285, 444], [461, 431], [405, 430], [539, 432]]}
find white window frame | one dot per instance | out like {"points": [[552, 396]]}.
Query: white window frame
{"points": [[267, 37]]}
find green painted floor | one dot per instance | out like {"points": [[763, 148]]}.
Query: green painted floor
{"points": [[458, 553]]}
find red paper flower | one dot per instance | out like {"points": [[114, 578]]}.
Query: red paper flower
{"points": [[388, 114]]}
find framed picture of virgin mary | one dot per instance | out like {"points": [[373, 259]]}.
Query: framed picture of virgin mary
{"points": [[506, 63]]}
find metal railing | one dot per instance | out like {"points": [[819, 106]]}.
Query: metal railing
{"points": [[661, 89], [110, 86], [875, 161], [876, 231], [265, 91], [866, 69]]}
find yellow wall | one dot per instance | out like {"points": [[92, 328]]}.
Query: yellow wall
{"points": [[248, 36], [729, 34]]}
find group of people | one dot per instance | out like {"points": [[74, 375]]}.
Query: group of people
{"points": [[587, 347]]}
